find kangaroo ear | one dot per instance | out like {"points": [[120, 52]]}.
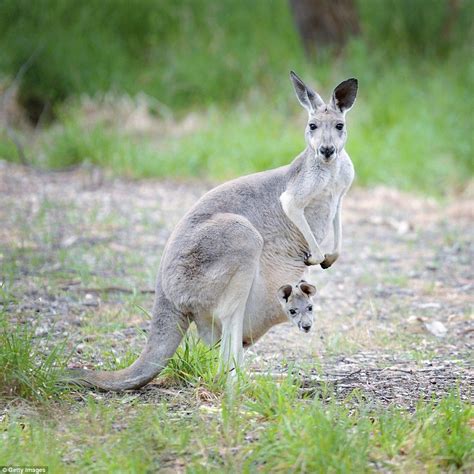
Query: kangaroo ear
{"points": [[308, 289], [344, 95], [309, 99], [284, 293]]}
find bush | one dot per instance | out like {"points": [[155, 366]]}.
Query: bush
{"points": [[411, 126], [194, 51], [420, 27]]}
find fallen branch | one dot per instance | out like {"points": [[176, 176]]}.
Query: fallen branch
{"points": [[108, 289]]}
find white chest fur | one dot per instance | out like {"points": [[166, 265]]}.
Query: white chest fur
{"points": [[312, 201], [322, 206], [320, 214]]}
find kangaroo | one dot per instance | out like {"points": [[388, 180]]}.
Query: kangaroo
{"points": [[225, 260], [296, 301]]}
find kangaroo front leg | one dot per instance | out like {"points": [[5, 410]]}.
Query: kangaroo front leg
{"points": [[330, 258], [296, 215]]}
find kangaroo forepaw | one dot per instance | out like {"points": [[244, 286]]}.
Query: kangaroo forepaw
{"points": [[329, 259], [310, 260]]}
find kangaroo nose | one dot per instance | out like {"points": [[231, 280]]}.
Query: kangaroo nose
{"points": [[327, 151]]}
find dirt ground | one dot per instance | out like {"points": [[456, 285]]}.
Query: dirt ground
{"points": [[79, 251]]}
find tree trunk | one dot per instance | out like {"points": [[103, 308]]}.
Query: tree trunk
{"points": [[325, 23], [453, 8]]}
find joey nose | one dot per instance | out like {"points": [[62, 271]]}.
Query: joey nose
{"points": [[306, 327], [327, 151]]}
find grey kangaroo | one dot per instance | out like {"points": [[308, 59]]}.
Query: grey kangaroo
{"points": [[228, 256]]}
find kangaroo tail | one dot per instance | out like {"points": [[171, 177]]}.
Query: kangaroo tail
{"points": [[167, 330]]}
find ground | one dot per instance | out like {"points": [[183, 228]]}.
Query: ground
{"points": [[79, 252]]}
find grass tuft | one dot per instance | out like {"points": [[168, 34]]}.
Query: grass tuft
{"points": [[25, 371], [195, 364]]}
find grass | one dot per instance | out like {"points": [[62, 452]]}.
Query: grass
{"points": [[264, 424], [26, 371], [266, 427], [194, 364], [269, 426], [408, 129], [194, 53]]}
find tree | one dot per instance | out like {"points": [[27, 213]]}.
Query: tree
{"points": [[325, 23]]}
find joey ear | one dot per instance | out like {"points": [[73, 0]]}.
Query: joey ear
{"points": [[309, 99], [344, 95], [284, 293], [308, 289]]}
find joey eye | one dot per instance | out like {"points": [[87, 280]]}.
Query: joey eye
{"points": [[340, 126], [313, 126], [292, 311], [309, 308]]}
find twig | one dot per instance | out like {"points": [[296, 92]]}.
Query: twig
{"points": [[44, 113], [431, 369], [395, 369], [107, 289], [344, 376], [18, 77], [6, 97]]}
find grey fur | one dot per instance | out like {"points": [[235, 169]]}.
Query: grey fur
{"points": [[232, 251], [297, 303]]}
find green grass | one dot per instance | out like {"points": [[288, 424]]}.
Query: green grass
{"points": [[27, 371], [262, 424], [194, 364], [266, 429], [413, 134], [417, 27]]}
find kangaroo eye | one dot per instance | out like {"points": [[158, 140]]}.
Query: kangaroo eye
{"points": [[313, 126], [292, 311], [310, 308], [340, 126]]}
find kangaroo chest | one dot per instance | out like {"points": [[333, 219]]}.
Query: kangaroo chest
{"points": [[320, 213], [321, 210]]}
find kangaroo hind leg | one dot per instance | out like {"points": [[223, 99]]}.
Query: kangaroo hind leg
{"points": [[243, 246], [231, 313]]}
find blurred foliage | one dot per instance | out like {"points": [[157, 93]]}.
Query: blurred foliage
{"points": [[192, 51], [411, 126], [417, 27]]}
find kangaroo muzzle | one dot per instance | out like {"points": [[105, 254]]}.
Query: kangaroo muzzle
{"points": [[327, 151], [305, 324]]}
